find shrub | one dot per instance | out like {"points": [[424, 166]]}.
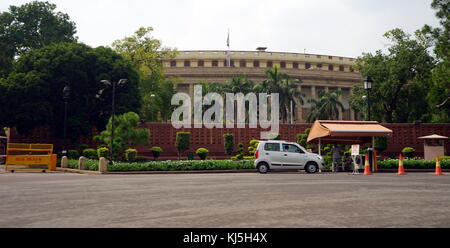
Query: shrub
{"points": [[412, 164], [228, 142], [90, 153], [73, 154], [156, 152], [103, 152], [253, 145], [408, 152], [202, 153], [183, 142], [131, 154], [82, 147], [239, 156], [251, 150], [381, 143]]}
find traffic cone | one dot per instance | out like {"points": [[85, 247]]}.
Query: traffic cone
{"points": [[401, 169], [438, 167], [367, 166]]}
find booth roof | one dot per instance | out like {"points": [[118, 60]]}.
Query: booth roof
{"points": [[343, 130], [433, 136]]}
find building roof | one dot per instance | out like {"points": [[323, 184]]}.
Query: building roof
{"points": [[433, 136], [346, 131]]}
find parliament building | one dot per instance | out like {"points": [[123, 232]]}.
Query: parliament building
{"points": [[317, 72]]}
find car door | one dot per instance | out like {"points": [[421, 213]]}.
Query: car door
{"points": [[293, 157], [273, 152]]}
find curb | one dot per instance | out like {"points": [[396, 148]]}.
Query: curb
{"points": [[151, 172], [78, 171]]}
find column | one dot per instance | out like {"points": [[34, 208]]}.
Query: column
{"points": [[299, 109], [340, 110], [352, 112]]}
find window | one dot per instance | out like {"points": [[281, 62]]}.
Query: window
{"points": [[215, 63], [283, 64], [274, 147], [341, 68], [256, 63], [173, 63], [319, 66], [242, 63], [307, 65], [295, 65], [318, 56], [291, 148], [187, 63], [330, 67], [269, 64], [330, 57], [201, 63]]}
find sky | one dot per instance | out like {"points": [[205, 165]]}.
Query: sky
{"points": [[329, 27]]}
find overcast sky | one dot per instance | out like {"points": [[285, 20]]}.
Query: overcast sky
{"points": [[329, 27]]}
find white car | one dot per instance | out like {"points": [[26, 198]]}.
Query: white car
{"points": [[277, 154]]}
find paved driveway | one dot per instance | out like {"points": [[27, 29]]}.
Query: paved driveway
{"points": [[58, 199]]}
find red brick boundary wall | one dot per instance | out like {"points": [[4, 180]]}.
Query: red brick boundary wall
{"points": [[163, 135]]}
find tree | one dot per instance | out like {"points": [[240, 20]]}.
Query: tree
{"points": [[31, 26], [126, 133], [182, 142], [32, 93], [286, 87], [326, 107], [401, 79], [228, 143], [439, 93]]}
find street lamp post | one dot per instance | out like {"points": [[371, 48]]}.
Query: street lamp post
{"points": [[66, 96], [368, 86], [113, 84]]}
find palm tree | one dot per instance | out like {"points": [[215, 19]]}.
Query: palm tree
{"points": [[238, 84], [326, 107], [286, 87]]}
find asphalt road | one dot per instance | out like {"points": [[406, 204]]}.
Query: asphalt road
{"points": [[58, 199]]}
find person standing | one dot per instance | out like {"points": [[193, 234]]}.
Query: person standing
{"points": [[336, 156]]}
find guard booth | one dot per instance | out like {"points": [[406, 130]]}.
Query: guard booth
{"points": [[348, 133], [30, 157], [433, 146]]}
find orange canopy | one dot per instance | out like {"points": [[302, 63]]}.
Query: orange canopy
{"points": [[346, 131]]}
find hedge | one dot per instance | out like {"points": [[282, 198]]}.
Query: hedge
{"points": [[412, 164], [170, 165]]}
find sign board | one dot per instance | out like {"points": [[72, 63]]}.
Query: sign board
{"points": [[355, 150]]}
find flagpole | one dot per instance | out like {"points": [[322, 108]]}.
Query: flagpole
{"points": [[228, 52]]}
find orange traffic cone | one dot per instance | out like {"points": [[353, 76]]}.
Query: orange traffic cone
{"points": [[438, 167], [367, 166], [401, 169]]}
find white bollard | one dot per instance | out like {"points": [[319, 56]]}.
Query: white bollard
{"points": [[82, 163], [64, 162], [102, 163]]}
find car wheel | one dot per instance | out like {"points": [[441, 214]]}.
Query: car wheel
{"points": [[311, 167], [263, 168]]}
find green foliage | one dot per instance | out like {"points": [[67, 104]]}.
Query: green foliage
{"points": [[126, 132], [184, 165], [91, 165], [182, 142], [156, 152], [73, 154], [90, 153], [402, 74], [253, 145], [82, 147], [31, 26], [413, 164], [408, 152], [274, 136], [131, 155], [381, 143], [32, 93], [103, 152], [202, 153], [228, 142], [302, 139], [326, 107]]}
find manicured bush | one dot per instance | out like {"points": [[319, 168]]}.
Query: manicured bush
{"points": [[131, 154], [381, 143], [103, 152], [156, 152], [228, 142], [90, 153], [182, 142], [408, 152], [73, 154], [412, 164], [90, 164], [202, 153], [82, 147], [253, 145]]}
